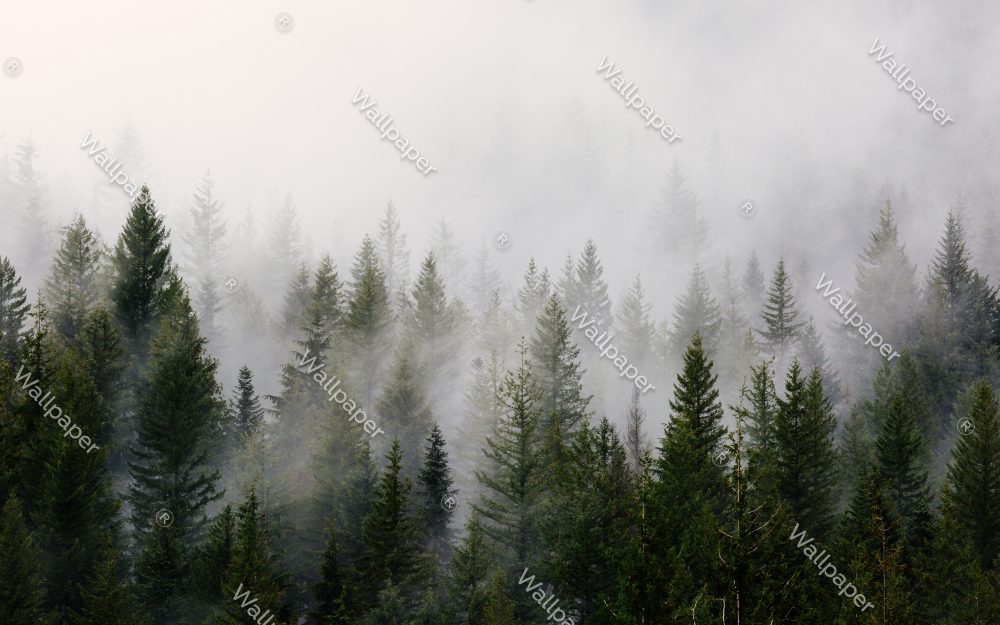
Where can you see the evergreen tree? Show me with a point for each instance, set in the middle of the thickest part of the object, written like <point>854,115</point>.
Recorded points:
<point>74,288</point>
<point>435,486</point>
<point>448,254</point>
<point>390,609</point>
<point>175,431</point>
<point>532,297</point>
<point>806,461</point>
<point>13,309</point>
<point>637,329</point>
<point>255,569</point>
<point>142,270</point>
<point>394,258</point>
<point>886,280</point>
<point>901,455</point>
<point>390,534</point>
<point>367,320</point>
<point>695,313</point>
<point>21,585</point>
<point>485,281</point>
<point>482,414</point>
<point>586,291</point>
<point>216,556</point>
<point>555,366</point>
<point>430,321</point>
<point>106,599</point>
<point>759,414</point>
<point>753,286</point>
<point>325,299</point>
<point>470,569</point>
<point>248,414</point>
<point>331,592</point>
<point>297,297</point>
<point>812,355</point>
<point>972,493</point>
<point>499,609</point>
<point>403,408</point>
<point>205,251</point>
<point>494,332</point>
<point>779,315</point>
<point>32,243</point>
<point>284,245</point>
<point>690,495</point>
<point>676,222</point>
<point>511,492</point>
<point>635,440</point>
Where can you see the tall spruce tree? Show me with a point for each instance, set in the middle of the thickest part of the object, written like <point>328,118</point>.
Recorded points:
<point>512,491</point>
<point>284,244</point>
<point>394,258</point>
<point>142,272</point>
<point>21,586</point>
<point>13,309</point>
<point>555,367</point>
<point>753,286</point>
<point>366,321</point>
<point>108,600</point>
<point>204,253</point>
<point>469,578</point>
<point>390,533</point>
<point>675,220</point>
<point>636,331</point>
<point>245,408</point>
<point>403,408</point>
<point>780,326</point>
<point>972,493</point>
<point>586,290</point>
<point>806,460</point>
<point>695,313</point>
<point>176,430</point>
<point>74,287</point>
<point>435,481</point>
<point>255,570</point>
<point>531,297</point>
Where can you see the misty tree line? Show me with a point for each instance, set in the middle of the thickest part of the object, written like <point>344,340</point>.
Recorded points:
<point>285,497</point>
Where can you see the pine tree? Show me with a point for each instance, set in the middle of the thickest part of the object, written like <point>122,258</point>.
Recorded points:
<point>297,297</point>
<point>176,427</point>
<point>403,408</point>
<point>470,569</point>
<point>902,456</point>
<point>531,297</point>
<point>555,366</point>
<point>512,490</point>
<point>759,414</point>
<point>390,534</point>
<point>394,258</point>
<point>753,286</point>
<point>204,254</point>
<point>13,309</point>
<point>972,493</point>
<point>586,291</point>
<point>448,254</point>
<point>494,332</point>
<point>690,495</point>
<point>676,223</point>
<point>431,322</point>
<point>216,556</point>
<point>887,285</point>
<point>485,281</point>
<point>482,414</point>
<point>806,461</point>
<point>78,509</point>
<point>324,309</point>
<point>248,414</point>
<point>499,609</point>
<point>21,585</point>
<point>695,313</point>
<point>779,315</point>
<point>812,355</point>
<point>636,328</point>
<point>366,321</point>
<point>435,484</point>
<point>33,243</point>
<point>255,569</point>
<point>331,593</point>
<point>106,599</point>
<point>142,270</point>
<point>284,244</point>
<point>635,440</point>
<point>390,609</point>
<point>74,287</point>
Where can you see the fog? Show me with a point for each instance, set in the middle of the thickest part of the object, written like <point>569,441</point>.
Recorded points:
<point>780,104</point>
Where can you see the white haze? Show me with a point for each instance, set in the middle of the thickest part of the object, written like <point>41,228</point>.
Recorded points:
<point>777,102</point>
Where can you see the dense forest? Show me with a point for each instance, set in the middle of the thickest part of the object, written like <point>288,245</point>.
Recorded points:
<point>438,450</point>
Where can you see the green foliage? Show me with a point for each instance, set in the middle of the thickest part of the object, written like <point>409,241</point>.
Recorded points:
<point>21,593</point>
<point>13,310</point>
